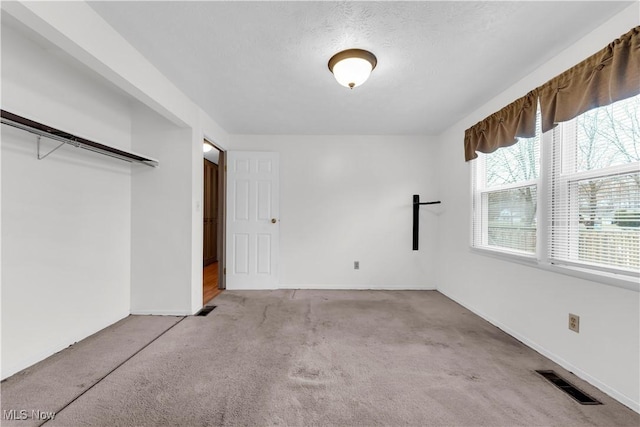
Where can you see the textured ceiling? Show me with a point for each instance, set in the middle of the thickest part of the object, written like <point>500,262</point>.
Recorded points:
<point>261,67</point>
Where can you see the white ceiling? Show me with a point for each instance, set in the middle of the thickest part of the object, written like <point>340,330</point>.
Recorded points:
<point>261,67</point>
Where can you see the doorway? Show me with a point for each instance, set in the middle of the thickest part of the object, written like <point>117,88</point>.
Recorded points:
<point>213,220</point>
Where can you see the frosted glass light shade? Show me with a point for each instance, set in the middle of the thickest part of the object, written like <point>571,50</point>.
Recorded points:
<point>206,147</point>
<point>352,72</point>
<point>352,67</point>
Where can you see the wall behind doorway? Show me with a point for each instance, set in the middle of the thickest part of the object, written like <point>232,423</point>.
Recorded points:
<point>210,213</point>
<point>346,198</point>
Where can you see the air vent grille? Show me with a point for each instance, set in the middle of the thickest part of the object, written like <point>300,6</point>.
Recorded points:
<point>573,391</point>
<point>206,310</point>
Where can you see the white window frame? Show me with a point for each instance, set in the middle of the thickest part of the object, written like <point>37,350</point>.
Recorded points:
<point>541,257</point>
<point>478,169</point>
<point>566,132</point>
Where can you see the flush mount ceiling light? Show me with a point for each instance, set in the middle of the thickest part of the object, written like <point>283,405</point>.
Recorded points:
<point>206,147</point>
<point>352,67</point>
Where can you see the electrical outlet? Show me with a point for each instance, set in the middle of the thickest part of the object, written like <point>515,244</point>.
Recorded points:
<point>574,323</point>
<point>356,265</point>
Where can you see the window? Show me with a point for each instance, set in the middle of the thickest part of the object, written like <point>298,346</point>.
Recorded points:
<point>506,198</point>
<point>585,174</point>
<point>594,220</point>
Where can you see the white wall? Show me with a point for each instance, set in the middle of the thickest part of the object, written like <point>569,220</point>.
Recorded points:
<point>349,198</point>
<point>527,302</point>
<point>161,233</point>
<point>65,219</point>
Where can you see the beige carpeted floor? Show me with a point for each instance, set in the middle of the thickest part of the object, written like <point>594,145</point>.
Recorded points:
<point>303,358</point>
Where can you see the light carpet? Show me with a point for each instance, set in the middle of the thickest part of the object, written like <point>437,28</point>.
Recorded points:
<point>300,358</point>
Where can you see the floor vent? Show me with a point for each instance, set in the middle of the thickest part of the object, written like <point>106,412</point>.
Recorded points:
<point>564,385</point>
<point>206,310</point>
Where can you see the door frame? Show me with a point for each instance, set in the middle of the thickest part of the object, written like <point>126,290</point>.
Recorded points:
<point>221,241</point>
<point>222,220</point>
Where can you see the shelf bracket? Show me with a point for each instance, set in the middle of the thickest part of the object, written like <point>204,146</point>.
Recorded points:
<point>416,217</point>
<point>38,144</point>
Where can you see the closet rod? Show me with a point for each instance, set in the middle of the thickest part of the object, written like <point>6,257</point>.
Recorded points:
<point>39,129</point>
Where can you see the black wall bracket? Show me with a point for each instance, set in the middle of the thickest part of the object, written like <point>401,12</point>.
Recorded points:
<point>416,218</point>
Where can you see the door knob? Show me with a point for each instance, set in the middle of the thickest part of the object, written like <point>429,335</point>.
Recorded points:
<point>273,220</point>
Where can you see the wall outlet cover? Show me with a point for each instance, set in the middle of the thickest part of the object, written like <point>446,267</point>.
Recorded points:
<point>574,322</point>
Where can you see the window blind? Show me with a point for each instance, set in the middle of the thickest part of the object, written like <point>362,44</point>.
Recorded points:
<point>594,194</point>
<point>505,197</point>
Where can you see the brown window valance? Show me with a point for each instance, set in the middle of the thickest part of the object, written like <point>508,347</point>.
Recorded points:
<point>612,74</point>
<point>502,128</point>
<point>608,76</point>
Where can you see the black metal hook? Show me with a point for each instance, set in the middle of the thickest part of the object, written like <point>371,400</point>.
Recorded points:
<point>416,217</point>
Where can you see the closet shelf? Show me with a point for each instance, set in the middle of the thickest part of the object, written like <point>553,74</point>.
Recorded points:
<point>45,131</point>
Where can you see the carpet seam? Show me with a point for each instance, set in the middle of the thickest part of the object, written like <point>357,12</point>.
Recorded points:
<point>113,370</point>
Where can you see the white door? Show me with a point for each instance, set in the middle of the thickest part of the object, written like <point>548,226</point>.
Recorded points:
<point>252,220</point>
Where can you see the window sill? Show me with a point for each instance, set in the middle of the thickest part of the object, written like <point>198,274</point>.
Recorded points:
<point>610,279</point>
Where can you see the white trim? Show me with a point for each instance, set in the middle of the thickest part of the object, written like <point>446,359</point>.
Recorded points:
<point>148,312</point>
<point>250,288</point>
<point>610,279</point>
<point>520,257</point>
<point>588,266</point>
<point>542,201</point>
<point>504,187</point>
<point>616,170</point>
<point>620,397</point>
<point>359,287</point>
<point>332,286</point>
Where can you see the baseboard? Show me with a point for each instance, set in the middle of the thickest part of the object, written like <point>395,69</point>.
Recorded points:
<point>620,397</point>
<point>358,287</point>
<point>161,313</point>
<point>335,287</point>
<point>250,288</point>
